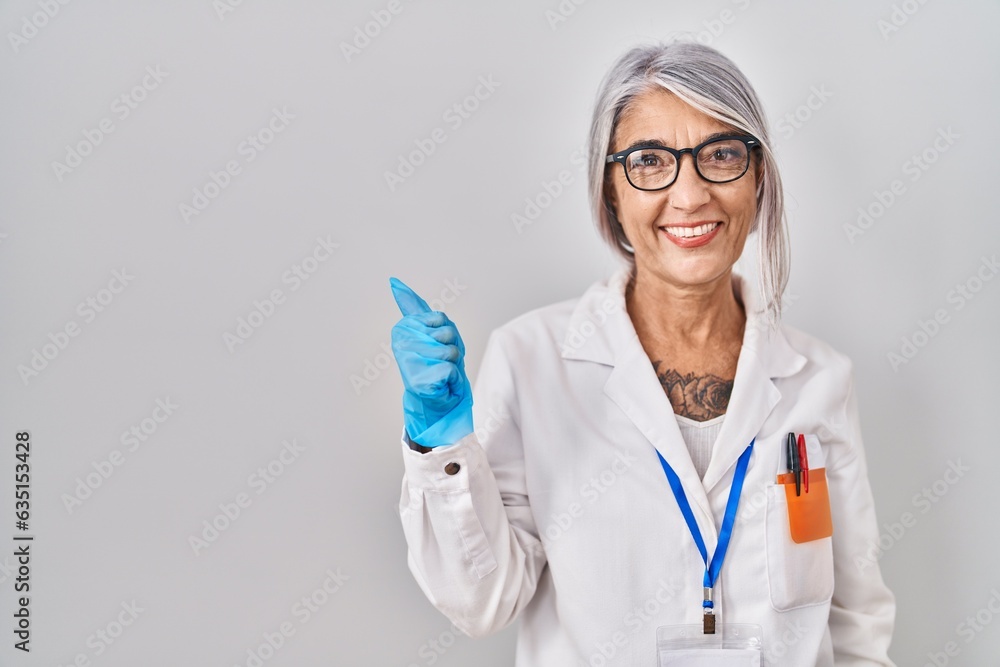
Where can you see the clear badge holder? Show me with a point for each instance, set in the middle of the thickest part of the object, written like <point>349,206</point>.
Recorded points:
<point>732,645</point>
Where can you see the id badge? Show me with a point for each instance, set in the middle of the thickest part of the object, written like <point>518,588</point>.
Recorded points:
<point>732,645</point>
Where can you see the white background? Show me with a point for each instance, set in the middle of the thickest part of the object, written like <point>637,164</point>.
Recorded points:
<point>333,508</point>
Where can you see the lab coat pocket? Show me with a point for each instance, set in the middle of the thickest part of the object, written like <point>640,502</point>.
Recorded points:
<point>798,574</point>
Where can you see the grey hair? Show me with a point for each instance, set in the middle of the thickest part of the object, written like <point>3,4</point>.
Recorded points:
<point>713,84</point>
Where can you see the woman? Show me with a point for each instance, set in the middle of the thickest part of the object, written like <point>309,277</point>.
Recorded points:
<point>615,430</point>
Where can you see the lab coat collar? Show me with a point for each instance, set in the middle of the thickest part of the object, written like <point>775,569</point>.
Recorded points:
<point>600,330</point>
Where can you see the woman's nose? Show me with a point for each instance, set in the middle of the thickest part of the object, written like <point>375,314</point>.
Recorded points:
<point>689,190</point>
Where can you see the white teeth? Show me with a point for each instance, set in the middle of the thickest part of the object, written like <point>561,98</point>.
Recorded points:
<point>686,232</point>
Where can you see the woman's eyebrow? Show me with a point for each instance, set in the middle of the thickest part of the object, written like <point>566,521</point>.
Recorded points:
<point>660,142</point>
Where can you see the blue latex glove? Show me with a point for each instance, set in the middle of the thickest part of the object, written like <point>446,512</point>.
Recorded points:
<point>437,396</point>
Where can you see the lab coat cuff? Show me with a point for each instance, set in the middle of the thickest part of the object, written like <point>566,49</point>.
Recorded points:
<point>445,468</point>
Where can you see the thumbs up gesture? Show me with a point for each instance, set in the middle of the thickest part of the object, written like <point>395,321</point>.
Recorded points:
<point>437,396</point>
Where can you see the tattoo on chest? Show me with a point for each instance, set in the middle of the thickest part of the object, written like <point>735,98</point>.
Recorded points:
<point>698,397</point>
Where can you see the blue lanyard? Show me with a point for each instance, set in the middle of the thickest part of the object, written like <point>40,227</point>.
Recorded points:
<point>711,569</point>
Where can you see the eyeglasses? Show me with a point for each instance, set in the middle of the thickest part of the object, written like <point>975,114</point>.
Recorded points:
<point>719,160</point>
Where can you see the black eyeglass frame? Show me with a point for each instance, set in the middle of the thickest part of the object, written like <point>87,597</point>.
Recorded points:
<point>748,140</point>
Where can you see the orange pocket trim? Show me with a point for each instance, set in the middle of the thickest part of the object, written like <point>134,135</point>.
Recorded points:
<point>809,513</point>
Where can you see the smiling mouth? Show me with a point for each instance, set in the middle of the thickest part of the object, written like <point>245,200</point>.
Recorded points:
<point>691,232</point>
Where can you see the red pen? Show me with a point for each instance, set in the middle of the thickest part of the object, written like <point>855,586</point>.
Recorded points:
<point>804,460</point>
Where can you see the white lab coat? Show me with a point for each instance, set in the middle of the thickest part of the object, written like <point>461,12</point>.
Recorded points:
<point>559,511</point>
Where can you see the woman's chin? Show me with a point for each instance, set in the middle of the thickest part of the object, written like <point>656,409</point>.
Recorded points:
<point>691,270</point>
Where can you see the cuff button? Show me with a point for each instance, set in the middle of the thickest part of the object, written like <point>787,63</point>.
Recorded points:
<point>452,468</point>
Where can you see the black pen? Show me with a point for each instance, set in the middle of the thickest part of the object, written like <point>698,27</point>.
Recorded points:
<point>794,465</point>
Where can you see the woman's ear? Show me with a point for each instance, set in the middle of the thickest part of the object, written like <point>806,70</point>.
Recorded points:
<point>610,196</point>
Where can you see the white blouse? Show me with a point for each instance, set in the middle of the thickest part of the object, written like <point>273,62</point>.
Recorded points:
<point>700,438</point>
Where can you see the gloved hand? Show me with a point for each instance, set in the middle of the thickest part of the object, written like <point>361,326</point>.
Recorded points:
<point>437,396</point>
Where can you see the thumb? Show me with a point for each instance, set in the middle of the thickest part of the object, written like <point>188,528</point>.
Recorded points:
<point>409,302</point>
